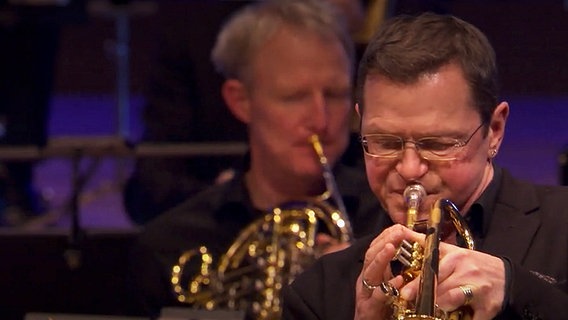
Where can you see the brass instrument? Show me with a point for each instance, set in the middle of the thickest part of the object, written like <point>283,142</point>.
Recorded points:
<point>265,256</point>
<point>423,261</point>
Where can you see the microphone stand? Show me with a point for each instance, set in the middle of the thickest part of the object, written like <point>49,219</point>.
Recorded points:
<point>74,253</point>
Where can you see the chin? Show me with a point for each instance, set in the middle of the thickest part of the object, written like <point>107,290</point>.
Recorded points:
<point>309,170</point>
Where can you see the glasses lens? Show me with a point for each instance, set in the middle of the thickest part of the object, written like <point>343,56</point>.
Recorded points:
<point>438,148</point>
<point>382,145</point>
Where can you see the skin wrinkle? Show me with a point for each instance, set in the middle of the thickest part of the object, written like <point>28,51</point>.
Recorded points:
<point>436,105</point>
<point>295,92</point>
<point>430,120</point>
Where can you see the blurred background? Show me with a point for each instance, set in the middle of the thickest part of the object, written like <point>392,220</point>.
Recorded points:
<point>89,94</point>
<point>103,62</point>
<point>108,51</point>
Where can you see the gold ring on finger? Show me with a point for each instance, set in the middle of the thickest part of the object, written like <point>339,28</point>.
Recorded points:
<point>468,293</point>
<point>369,286</point>
<point>388,289</point>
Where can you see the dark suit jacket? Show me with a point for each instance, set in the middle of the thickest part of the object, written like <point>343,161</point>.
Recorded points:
<point>529,227</point>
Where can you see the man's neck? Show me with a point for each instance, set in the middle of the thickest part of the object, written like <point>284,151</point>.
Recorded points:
<point>266,193</point>
<point>486,179</point>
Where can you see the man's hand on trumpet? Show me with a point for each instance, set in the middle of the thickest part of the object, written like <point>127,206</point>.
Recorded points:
<point>466,277</point>
<point>370,297</point>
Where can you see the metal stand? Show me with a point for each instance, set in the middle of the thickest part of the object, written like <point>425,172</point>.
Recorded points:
<point>122,12</point>
<point>122,51</point>
<point>78,149</point>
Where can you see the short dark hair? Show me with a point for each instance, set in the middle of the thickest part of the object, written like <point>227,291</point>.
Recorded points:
<point>406,47</point>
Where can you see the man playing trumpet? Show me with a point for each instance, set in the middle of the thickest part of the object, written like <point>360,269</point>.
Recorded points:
<point>430,116</point>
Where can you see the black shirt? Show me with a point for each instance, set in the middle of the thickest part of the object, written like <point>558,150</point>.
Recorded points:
<point>214,218</point>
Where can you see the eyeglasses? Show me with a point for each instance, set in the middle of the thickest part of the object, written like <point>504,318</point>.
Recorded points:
<point>429,148</point>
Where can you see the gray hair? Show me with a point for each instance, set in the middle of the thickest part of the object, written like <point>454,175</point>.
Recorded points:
<point>249,28</point>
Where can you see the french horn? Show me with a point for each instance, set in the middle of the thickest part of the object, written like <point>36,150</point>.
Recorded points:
<point>265,256</point>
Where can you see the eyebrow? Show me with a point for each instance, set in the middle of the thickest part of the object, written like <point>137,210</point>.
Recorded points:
<point>453,134</point>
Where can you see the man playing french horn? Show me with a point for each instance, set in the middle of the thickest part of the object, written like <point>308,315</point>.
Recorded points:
<point>288,66</point>
<point>431,126</point>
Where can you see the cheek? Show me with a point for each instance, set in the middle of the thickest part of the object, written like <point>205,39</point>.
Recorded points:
<point>338,119</point>
<point>272,123</point>
<point>268,115</point>
<point>376,175</point>
<point>461,180</point>
<point>381,182</point>
<point>339,123</point>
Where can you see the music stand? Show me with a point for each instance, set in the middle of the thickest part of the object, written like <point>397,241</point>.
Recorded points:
<point>179,313</point>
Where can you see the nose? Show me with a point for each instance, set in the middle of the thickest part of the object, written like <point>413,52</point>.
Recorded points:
<point>318,113</point>
<point>411,166</point>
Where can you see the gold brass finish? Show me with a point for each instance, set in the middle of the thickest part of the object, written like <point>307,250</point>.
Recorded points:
<point>423,261</point>
<point>265,256</point>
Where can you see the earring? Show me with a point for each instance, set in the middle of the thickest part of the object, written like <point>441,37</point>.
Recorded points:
<point>492,153</point>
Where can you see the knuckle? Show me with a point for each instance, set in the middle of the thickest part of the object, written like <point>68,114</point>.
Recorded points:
<point>369,256</point>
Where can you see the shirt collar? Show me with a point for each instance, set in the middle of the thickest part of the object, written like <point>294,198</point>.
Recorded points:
<point>237,194</point>
<point>480,214</point>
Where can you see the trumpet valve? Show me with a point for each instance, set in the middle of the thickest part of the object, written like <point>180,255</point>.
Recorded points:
<point>411,255</point>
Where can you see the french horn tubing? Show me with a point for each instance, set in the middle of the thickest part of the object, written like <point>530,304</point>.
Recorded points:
<point>265,256</point>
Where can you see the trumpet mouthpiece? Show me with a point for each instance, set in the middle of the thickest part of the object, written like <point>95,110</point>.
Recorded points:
<point>413,195</point>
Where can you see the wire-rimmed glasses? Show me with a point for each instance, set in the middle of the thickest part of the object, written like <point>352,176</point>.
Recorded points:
<point>430,148</point>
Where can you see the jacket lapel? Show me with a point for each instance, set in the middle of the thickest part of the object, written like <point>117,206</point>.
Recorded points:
<point>515,220</point>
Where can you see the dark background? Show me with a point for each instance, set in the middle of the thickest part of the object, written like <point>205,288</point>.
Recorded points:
<point>530,38</point>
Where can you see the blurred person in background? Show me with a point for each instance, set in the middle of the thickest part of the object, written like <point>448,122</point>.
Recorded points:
<point>184,105</point>
<point>288,67</point>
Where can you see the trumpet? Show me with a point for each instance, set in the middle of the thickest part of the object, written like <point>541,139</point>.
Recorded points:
<point>423,261</point>
<point>265,256</point>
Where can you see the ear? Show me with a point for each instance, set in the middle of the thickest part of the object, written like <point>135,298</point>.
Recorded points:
<point>236,97</point>
<point>497,127</point>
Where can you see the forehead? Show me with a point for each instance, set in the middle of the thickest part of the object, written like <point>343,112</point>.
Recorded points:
<point>292,53</point>
<point>434,100</point>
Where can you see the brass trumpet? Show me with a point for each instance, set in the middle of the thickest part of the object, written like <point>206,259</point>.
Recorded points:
<point>423,261</point>
<point>265,256</point>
